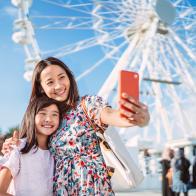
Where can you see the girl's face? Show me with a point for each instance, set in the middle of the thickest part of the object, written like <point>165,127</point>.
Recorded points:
<point>47,120</point>
<point>55,82</point>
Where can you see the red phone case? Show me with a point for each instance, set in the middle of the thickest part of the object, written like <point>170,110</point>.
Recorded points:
<point>129,83</point>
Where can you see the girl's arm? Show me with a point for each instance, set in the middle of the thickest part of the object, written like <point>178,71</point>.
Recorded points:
<point>138,115</point>
<point>5,179</point>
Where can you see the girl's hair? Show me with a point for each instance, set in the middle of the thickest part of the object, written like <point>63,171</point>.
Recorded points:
<point>28,128</point>
<point>37,90</point>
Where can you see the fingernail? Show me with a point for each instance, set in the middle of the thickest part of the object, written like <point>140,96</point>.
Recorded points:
<point>124,95</point>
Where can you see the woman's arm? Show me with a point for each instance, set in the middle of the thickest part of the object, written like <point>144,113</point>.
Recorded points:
<point>134,113</point>
<point>5,179</point>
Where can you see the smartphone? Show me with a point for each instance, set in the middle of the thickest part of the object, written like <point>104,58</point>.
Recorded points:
<point>129,83</point>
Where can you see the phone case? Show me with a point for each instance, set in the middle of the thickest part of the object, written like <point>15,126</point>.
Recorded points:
<point>129,83</point>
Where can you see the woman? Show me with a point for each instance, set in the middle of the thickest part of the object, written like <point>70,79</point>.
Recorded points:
<point>80,167</point>
<point>167,156</point>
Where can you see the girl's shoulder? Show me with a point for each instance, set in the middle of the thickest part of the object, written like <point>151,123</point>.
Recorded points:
<point>22,143</point>
<point>13,161</point>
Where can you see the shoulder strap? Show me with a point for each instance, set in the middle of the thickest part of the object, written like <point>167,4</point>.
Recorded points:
<point>87,117</point>
<point>100,136</point>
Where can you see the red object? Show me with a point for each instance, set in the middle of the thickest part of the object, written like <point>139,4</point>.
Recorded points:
<point>129,83</point>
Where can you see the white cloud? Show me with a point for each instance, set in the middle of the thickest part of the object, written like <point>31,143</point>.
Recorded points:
<point>10,11</point>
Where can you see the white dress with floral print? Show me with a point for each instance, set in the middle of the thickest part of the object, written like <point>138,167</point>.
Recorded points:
<point>80,168</point>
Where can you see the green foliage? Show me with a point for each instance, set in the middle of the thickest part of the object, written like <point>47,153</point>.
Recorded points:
<point>1,140</point>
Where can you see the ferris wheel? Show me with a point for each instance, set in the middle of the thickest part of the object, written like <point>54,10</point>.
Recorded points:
<point>155,38</point>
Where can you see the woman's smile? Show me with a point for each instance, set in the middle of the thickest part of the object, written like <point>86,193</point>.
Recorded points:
<point>55,82</point>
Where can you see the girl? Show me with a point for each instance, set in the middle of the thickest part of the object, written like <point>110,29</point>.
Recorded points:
<point>80,168</point>
<point>32,167</point>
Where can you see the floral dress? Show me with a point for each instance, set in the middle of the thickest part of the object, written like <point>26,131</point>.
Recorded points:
<point>80,167</point>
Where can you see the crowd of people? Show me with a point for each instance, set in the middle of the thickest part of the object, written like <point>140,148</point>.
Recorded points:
<point>178,173</point>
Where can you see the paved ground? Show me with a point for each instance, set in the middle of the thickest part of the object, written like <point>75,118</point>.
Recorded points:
<point>151,193</point>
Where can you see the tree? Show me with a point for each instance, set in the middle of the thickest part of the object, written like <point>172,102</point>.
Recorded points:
<point>10,132</point>
<point>2,139</point>
<point>1,131</point>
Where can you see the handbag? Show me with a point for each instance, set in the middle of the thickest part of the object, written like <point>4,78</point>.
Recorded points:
<point>124,172</point>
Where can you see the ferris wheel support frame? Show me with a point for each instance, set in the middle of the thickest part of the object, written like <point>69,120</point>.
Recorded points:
<point>111,80</point>
<point>158,106</point>
<point>177,105</point>
<point>181,65</point>
<point>24,34</point>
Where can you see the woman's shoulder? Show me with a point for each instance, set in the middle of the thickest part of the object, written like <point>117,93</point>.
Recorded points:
<point>93,100</point>
<point>91,97</point>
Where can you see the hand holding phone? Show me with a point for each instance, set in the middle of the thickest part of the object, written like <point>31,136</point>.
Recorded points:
<point>129,84</point>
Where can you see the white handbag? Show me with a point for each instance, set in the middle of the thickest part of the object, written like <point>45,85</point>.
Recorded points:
<point>126,173</point>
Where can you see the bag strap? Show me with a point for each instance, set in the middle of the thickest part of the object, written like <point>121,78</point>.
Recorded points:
<point>87,117</point>
<point>101,138</point>
<point>100,131</point>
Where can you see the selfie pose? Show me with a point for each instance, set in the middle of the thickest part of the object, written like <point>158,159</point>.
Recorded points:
<point>79,165</point>
<point>31,168</point>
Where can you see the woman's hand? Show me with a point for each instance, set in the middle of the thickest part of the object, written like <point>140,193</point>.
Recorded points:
<point>10,142</point>
<point>134,112</point>
<point>131,113</point>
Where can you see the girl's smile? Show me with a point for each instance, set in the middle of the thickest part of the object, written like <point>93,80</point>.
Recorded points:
<point>47,120</point>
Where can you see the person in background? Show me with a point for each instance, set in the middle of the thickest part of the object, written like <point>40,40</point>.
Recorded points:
<point>31,168</point>
<point>181,176</point>
<point>167,156</point>
<point>193,170</point>
<point>80,168</point>
<point>2,139</point>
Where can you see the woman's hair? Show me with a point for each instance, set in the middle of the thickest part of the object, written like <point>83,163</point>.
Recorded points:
<point>37,90</point>
<point>28,128</point>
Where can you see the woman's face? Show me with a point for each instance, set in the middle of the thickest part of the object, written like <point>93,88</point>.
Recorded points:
<point>55,82</point>
<point>47,120</point>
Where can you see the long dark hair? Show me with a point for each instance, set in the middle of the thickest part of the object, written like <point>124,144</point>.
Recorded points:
<point>37,90</point>
<point>28,129</point>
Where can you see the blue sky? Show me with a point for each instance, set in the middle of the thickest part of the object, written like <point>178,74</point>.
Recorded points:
<point>14,89</point>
